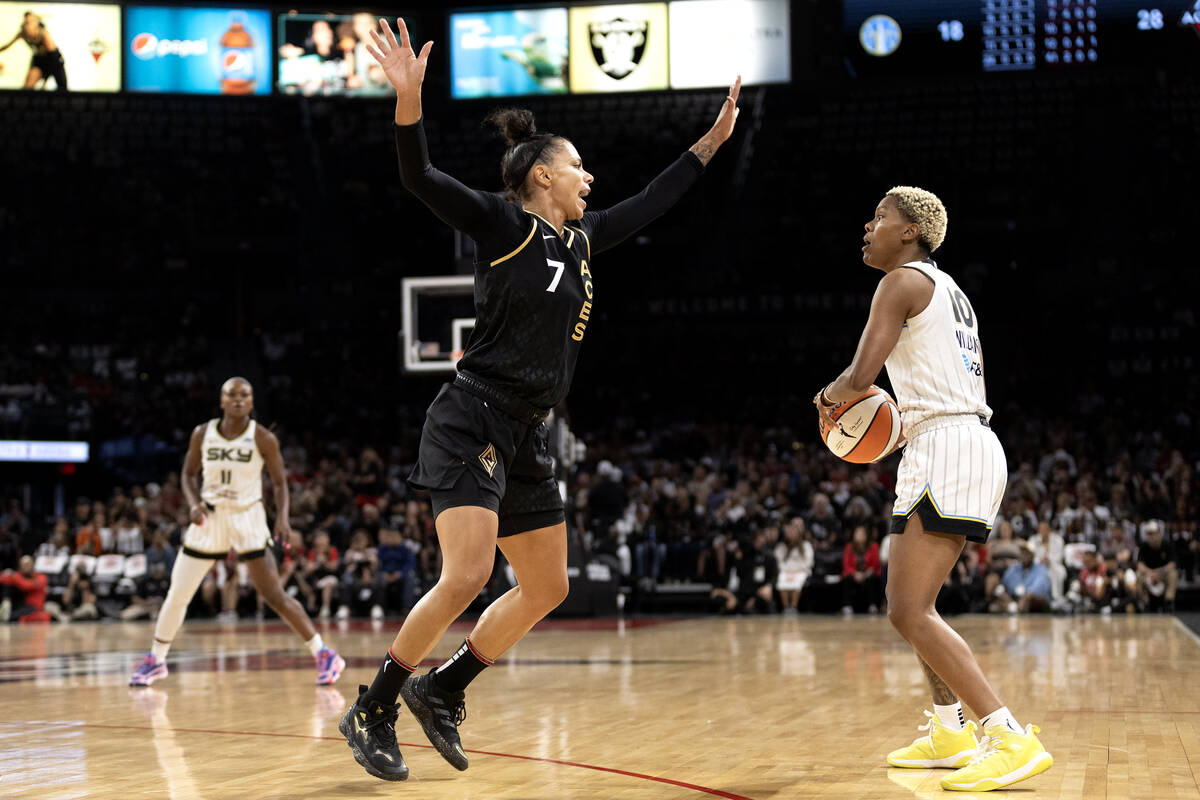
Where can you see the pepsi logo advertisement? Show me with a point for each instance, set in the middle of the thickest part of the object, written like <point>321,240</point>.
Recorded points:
<point>198,50</point>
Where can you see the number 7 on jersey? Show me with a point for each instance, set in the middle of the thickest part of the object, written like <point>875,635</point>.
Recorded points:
<point>557,266</point>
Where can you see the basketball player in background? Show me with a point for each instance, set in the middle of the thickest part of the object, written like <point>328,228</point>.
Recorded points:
<point>222,484</point>
<point>949,486</point>
<point>484,452</point>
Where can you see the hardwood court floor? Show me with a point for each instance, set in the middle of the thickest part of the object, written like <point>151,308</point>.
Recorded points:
<point>756,708</point>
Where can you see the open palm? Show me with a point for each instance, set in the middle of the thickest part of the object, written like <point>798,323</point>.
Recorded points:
<point>405,69</point>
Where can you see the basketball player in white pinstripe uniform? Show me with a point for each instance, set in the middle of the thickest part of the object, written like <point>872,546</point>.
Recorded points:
<point>222,483</point>
<point>949,487</point>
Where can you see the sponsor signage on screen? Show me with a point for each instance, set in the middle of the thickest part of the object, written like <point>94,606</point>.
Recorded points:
<point>197,50</point>
<point>496,53</point>
<point>619,48</point>
<point>79,43</point>
<point>326,53</point>
<point>53,452</point>
<point>713,41</point>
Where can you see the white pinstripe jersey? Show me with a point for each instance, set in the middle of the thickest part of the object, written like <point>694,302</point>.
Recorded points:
<point>231,469</point>
<point>936,367</point>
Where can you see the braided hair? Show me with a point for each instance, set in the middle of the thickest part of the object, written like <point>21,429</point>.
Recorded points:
<point>527,147</point>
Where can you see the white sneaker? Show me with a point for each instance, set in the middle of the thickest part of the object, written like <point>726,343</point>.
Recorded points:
<point>343,612</point>
<point>5,610</point>
<point>376,611</point>
<point>227,616</point>
<point>323,613</point>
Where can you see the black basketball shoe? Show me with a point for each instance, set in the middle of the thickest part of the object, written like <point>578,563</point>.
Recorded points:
<point>370,731</point>
<point>440,713</point>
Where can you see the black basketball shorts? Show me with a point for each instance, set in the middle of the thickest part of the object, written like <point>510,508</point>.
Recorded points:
<point>474,454</point>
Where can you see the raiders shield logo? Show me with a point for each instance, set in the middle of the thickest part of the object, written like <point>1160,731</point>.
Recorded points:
<point>488,459</point>
<point>618,45</point>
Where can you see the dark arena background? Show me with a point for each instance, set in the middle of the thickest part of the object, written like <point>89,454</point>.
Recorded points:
<point>164,227</point>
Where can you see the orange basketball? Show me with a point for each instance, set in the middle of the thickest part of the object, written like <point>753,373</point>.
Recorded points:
<point>865,429</point>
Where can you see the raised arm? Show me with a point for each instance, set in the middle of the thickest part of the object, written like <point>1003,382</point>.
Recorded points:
<point>11,42</point>
<point>473,212</point>
<point>612,226</point>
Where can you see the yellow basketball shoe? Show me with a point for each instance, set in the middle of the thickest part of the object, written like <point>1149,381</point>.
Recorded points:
<point>1004,758</point>
<point>941,747</point>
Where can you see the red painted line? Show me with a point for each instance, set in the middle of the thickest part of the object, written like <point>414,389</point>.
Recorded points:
<point>613,770</point>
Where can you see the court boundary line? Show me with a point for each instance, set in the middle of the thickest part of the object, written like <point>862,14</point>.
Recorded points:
<point>555,761</point>
<point>1195,637</point>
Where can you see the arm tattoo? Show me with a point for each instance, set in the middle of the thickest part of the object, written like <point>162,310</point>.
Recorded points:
<point>942,695</point>
<point>703,150</point>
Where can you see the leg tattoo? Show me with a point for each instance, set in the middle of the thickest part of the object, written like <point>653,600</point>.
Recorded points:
<point>942,694</point>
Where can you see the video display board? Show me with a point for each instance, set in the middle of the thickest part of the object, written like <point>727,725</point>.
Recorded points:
<point>198,50</point>
<point>497,53</point>
<point>714,41</point>
<point>619,48</point>
<point>326,53</point>
<point>75,41</point>
<point>890,37</point>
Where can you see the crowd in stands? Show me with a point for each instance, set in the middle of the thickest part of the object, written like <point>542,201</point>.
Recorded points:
<point>759,520</point>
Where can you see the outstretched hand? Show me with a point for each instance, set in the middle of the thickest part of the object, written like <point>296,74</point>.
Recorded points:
<point>404,68</point>
<point>722,129</point>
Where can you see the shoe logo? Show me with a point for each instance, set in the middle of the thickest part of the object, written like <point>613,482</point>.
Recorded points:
<point>458,747</point>
<point>379,752</point>
<point>488,459</point>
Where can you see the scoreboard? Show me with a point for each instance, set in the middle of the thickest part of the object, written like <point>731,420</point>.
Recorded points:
<point>889,37</point>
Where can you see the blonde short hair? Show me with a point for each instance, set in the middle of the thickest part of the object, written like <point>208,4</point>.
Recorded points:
<point>925,209</point>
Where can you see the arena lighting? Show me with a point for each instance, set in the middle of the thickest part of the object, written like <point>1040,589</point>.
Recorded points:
<point>52,452</point>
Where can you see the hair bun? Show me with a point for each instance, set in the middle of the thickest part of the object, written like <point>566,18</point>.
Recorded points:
<point>516,125</point>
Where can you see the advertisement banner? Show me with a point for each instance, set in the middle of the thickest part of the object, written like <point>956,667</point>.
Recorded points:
<point>619,48</point>
<point>326,53</point>
<point>495,53</point>
<point>713,41</point>
<point>197,50</point>
<point>64,46</point>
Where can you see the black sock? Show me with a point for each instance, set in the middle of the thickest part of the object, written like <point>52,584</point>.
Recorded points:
<point>391,676</point>
<point>461,669</point>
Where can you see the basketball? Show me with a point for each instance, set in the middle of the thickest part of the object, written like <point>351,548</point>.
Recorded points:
<point>867,428</point>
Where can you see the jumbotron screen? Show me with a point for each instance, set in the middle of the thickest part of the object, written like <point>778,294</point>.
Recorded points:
<point>325,53</point>
<point>890,37</point>
<point>87,46</point>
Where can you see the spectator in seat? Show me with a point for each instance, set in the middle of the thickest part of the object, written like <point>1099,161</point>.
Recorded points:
<point>396,580</point>
<point>57,543</point>
<point>861,573</point>
<point>1094,585</point>
<point>795,558</point>
<point>751,586</point>
<point>1048,551</point>
<point>1026,585</point>
<point>321,571</point>
<point>1158,576</point>
<point>359,566</point>
<point>30,607</point>
<point>150,592</point>
<point>79,600</point>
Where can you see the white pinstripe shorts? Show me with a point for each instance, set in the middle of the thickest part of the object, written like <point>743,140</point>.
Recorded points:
<point>243,529</point>
<point>953,475</point>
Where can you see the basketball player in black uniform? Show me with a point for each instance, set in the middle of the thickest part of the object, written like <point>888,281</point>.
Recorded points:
<point>484,452</point>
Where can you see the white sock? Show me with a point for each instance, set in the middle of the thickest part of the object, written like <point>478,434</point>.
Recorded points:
<point>314,644</point>
<point>1001,716</point>
<point>951,716</point>
<point>160,650</point>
